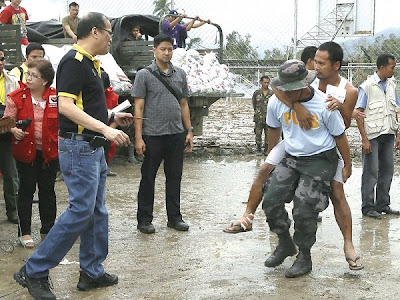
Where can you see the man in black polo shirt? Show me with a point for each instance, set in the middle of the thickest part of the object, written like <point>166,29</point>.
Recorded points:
<point>160,135</point>
<point>83,130</point>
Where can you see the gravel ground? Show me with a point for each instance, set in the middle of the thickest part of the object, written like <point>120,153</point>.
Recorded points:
<point>228,129</point>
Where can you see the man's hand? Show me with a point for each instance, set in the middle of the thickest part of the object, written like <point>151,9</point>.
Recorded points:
<point>333,103</point>
<point>358,115</point>
<point>123,119</point>
<point>117,136</point>
<point>140,146</point>
<point>188,142</point>
<point>366,146</point>
<point>303,115</point>
<point>18,133</point>
<point>346,172</point>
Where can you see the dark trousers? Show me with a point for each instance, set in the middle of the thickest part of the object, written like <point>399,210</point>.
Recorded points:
<point>167,148</point>
<point>44,176</point>
<point>10,177</point>
<point>378,167</point>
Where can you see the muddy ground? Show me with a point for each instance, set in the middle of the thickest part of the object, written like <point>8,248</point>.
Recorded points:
<point>206,263</point>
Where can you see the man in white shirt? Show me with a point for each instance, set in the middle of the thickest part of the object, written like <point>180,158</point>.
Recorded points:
<point>309,165</point>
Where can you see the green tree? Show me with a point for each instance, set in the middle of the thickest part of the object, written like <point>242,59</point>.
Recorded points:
<point>161,7</point>
<point>238,47</point>
<point>274,54</point>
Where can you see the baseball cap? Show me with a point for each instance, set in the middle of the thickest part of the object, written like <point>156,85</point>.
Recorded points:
<point>293,75</point>
<point>173,12</point>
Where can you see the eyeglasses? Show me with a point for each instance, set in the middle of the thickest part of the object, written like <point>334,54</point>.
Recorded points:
<point>33,75</point>
<point>108,31</point>
<point>2,58</point>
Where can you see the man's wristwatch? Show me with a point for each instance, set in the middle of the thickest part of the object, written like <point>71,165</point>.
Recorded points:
<point>112,117</point>
<point>190,129</point>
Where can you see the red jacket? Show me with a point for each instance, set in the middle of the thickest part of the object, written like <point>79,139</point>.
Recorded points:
<point>25,150</point>
<point>111,101</point>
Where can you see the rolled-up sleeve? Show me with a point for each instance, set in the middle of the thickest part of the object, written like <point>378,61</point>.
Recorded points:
<point>11,109</point>
<point>362,99</point>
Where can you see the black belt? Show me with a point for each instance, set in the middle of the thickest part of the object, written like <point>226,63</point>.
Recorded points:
<point>76,136</point>
<point>94,140</point>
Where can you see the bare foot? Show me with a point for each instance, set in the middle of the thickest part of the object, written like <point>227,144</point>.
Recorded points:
<point>354,260</point>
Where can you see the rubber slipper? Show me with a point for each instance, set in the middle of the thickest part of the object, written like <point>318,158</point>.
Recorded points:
<point>354,267</point>
<point>235,228</point>
<point>26,243</point>
<point>245,223</point>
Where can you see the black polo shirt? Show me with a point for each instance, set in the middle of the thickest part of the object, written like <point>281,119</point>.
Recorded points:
<point>78,78</point>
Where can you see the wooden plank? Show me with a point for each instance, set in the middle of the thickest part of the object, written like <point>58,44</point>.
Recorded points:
<point>10,41</point>
<point>59,42</point>
<point>143,47</point>
<point>133,54</point>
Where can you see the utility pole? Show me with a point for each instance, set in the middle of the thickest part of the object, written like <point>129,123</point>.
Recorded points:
<point>295,30</point>
<point>172,4</point>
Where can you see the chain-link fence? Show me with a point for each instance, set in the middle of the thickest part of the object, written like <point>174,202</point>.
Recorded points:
<point>259,35</point>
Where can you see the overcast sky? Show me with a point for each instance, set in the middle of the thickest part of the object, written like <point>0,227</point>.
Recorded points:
<point>270,22</point>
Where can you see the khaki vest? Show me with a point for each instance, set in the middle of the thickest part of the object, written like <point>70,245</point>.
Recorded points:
<point>381,108</point>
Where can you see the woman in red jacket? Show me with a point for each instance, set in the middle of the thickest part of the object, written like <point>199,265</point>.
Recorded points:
<point>35,148</point>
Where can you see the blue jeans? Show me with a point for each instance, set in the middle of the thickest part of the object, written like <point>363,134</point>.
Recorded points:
<point>377,171</point>
<point>84,171</point>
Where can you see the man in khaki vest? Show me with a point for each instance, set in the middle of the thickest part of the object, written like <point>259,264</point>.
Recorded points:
<point>378,99</point>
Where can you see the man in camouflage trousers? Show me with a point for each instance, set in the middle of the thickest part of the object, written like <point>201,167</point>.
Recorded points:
<point>260,102</point>
<point>305,173</point>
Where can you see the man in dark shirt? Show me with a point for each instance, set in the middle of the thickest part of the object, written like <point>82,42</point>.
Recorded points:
<point>160,135</point>
<point>83,128</point>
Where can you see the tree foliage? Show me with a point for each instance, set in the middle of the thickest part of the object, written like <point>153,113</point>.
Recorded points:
<point>238,47</point>
<point>161,7</point>
<point>274,54</point>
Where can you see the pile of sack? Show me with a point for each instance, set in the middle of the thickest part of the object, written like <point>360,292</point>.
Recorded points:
<point>119,81</point>
<point>204,73</point>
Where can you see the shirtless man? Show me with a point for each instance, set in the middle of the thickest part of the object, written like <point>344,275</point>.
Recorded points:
<point>327,63</point>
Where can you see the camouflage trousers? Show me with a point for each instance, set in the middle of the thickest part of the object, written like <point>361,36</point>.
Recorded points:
<point>258,130</point>
<point>306,181</point>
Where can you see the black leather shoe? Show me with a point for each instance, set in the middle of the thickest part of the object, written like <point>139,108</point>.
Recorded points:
<point>302,265</point>
<point>87,283</point>
<point>146,228</point>
<point>284,249</point>
<point>390,211</point>
<point>372,214</point>
<point>178,225</point>
<point>39,288</point>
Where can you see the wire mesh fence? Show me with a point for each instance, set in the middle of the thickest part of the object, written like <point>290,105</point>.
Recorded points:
<point>259,35</point>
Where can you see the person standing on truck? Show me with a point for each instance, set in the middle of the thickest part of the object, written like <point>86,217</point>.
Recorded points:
<point>177,31</point>
<point>162,129</point>
<point>70,22</point>
<point>33,51</point>
<point>16,15</point>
